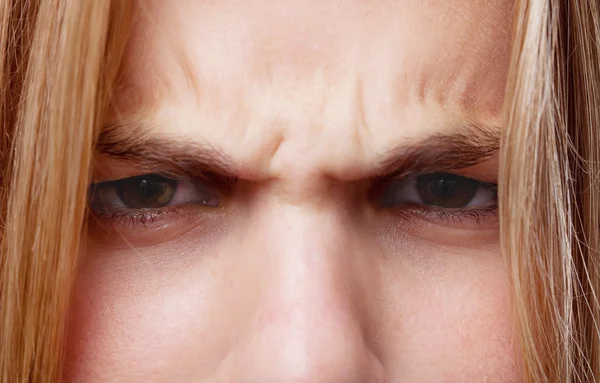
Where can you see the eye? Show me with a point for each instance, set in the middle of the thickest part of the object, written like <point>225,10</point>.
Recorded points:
<point>442,190</point>
<point>149,192</point>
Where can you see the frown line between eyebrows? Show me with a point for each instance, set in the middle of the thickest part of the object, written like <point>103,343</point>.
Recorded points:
<point>136,145</point>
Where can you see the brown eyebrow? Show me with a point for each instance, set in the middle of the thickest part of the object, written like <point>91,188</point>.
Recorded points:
<point>454,151</point>
<point>441,152</point>
<point>154,153</point>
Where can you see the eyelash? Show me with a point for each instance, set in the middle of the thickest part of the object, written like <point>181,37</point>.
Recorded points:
<point>449,216</point>
<point>131,218</point>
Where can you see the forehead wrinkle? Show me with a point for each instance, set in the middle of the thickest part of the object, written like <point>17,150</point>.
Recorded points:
<point>474,91</point>
<point>470,77</point>
<point>471,72</point>
<point>265,137</point>
<point>272,67</point>
<point>286,101</point>
<point>190,75</point>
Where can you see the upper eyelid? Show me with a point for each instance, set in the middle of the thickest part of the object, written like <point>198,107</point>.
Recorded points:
<point>411,177</point>
<point>114,181</point>
<point>205,179</point>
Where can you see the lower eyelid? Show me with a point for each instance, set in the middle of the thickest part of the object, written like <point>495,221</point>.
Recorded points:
<point>130,219</point>
<point>124,230</point>
<point>476,218</point>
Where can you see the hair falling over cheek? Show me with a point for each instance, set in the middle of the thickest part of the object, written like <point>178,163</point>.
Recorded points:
<point>53,90</point>
<point>549,205</point>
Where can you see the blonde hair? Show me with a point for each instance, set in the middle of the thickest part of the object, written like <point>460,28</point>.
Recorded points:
<point>59,60</point>
<point>549,194</point>
<point>55,74</point>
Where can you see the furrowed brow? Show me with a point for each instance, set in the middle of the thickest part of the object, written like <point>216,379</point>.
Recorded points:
<point>156,153</point>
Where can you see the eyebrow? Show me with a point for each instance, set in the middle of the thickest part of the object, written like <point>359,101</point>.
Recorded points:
<point>465,148</point>
<point>459,150</point>
<point>154,153</point>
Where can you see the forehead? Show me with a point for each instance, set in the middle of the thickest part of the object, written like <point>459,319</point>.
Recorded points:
<point>417,43</point>
<point>271,68</point>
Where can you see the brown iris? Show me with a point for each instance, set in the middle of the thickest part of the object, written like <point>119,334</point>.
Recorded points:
<point>446,190</point>
<point>146,192</point>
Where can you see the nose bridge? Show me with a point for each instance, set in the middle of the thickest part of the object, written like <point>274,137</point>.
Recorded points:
<point>312,279</point>
<point>307,239</point>
<point>307,328</point>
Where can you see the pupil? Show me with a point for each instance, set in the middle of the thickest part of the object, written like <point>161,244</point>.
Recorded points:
<point>148,188</point>
<point>442,187</point>
<point>446,190</point>
<point>146,192</point>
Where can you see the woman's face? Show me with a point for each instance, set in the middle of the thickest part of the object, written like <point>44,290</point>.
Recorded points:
<point>300,191</point>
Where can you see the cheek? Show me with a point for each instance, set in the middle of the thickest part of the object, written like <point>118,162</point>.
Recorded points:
<point>176,311</point>
<point>141,318</point>
<point>450,314</point>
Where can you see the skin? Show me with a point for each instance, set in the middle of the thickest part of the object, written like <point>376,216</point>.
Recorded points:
<point>298,275</point>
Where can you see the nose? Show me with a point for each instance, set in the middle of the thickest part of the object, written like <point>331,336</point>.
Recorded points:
<point>308,325</point>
